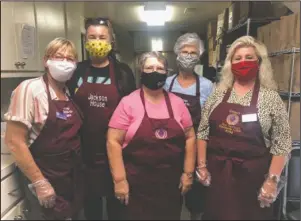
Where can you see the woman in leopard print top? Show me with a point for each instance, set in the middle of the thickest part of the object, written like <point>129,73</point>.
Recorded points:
<point>243,137</point>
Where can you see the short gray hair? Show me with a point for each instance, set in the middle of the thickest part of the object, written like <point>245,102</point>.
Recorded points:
<point>152,54</point>
<point>189,39</point>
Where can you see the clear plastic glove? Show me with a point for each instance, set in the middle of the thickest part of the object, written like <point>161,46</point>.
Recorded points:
<point>270,190</point>
<point>121,189</point>
<point>203,175</point>
<point>186,182</point>
<point>45,193</point>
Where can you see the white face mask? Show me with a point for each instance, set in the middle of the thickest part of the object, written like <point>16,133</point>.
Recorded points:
<point>61,71</point>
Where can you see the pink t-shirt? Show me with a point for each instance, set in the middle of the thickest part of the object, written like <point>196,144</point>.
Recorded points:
<point>130,112</point>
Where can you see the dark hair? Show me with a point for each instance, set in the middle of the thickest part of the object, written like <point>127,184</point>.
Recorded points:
<point>97,21</point>
<point>104,22</point>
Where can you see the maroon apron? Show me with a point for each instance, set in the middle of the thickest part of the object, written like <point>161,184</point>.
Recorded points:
<point>98,102</point>
<point>192,102</point>
<point>238,160</point>
<point>154,164</point>
<point>194,198</point>
<point>56,152</point>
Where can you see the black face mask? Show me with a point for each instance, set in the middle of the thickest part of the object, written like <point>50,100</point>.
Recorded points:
<point>153,80</point>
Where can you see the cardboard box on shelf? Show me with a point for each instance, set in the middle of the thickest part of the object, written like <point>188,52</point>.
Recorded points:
<point>290,31</point>
<point>274,41</point>
<point>260,36</point>
<point>296,79</point>
<point>266,36</point>
<point>297,30</point>
<point>282,72</point>
<point>294,119</point>
<point>256,9</point>
<point>211,58</point>
<point>233,17</point>
<point>218,52</point>
<point>211,29</point>
<point>211,44</point>
<point>222,22</point>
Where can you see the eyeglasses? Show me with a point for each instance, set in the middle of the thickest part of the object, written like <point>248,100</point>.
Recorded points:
<point>61,58</point>
<point>157,69</point>
<point>97,21</point>
<point>186,53</point>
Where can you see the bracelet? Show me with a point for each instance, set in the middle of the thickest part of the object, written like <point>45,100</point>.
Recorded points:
<point>273,177</point>
<point>189,174</point>
<point>201,165</point>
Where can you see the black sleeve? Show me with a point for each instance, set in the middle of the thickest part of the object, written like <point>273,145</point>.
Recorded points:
<point>125,77</point>
<point>79,71</point>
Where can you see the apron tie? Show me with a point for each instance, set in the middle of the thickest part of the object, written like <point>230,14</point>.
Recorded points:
<point>231,165</point>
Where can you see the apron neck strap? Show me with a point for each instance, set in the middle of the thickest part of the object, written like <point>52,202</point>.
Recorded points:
<point>167,101</point>
<point>47,87</point>
<point>197,88</point>
<point>111,71</point>
<point>254,94</point>
<point>197,92</point>
<point>227,95</point>
<point>172,82</point>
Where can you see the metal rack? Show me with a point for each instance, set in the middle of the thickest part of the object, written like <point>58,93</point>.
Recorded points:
<point>250,21</point>
<point>289,95</point>
<point>247,22</point>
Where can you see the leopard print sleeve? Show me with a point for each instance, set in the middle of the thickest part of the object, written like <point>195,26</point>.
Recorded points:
<point>281,141</point>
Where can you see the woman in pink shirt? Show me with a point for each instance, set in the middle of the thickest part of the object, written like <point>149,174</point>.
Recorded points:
<point>151,147</point>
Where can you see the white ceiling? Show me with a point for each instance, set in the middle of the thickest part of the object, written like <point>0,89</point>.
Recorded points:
<point>125,14</point>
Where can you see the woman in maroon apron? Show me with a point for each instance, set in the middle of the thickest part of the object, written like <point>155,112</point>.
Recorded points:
<point>188,52</point>
<point>155,159</point>
<point>98,100</point>
<point>194,198</point>
<point>56,150</point>
<point>245,175</point>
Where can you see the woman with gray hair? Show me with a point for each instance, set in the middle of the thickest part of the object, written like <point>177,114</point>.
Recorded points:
<point>244,137</point>
<point>151,147</point>
<point>194,90</point>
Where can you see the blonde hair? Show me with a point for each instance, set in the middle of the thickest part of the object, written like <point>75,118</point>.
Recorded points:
<point>266,77</point>
<point>60,44</point>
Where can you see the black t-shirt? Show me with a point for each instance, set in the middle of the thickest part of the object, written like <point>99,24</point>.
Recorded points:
<point>95,75</point>
<point>125,81</point>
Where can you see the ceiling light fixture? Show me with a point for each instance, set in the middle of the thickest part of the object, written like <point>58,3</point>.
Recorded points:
<point>155,13</point>
<point>157,44</point>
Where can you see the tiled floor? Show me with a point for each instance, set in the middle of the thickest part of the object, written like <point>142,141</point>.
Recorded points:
<point>185,214</point>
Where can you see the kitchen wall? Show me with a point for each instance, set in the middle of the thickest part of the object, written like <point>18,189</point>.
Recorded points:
<point>142,40</point>
<point>125,44</point>
<point>58,19</point>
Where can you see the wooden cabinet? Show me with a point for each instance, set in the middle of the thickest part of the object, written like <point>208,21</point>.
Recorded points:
<point>13,17</point>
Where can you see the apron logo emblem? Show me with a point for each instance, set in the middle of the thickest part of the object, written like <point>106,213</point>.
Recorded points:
<point>161,133</point>
<point>232,119</point>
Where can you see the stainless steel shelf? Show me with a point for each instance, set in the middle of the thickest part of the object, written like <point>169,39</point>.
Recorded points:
<point>296,143</point>
<point>252,21</point>
<point>21,74</point>
<point>287,94</point>
<point>286,51</point>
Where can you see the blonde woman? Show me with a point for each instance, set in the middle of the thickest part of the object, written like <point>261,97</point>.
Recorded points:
<point>244,137</point>
<point>43,135</point>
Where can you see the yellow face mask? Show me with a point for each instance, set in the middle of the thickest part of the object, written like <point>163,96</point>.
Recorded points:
<point>98,48</point>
